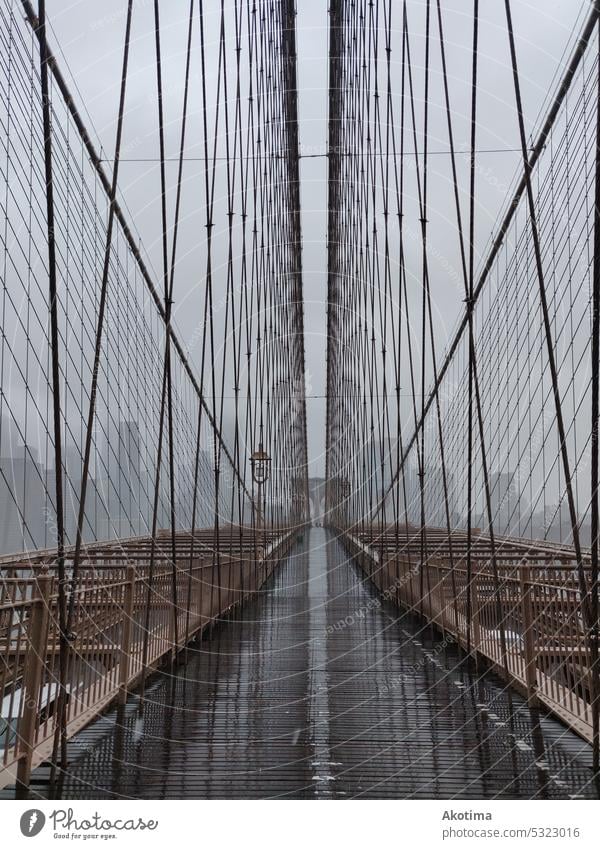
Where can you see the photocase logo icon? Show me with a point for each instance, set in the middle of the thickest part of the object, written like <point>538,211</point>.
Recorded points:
<point>32,822</point>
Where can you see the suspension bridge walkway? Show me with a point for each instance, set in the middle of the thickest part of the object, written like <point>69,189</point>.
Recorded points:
<point>175,620</point>
<point>317,688</point>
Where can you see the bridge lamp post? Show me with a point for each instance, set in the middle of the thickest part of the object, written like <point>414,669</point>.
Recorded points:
<point>260,462</point>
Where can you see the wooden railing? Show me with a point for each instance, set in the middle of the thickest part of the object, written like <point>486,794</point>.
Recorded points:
<point>536,601</point>
<point>108,628</point>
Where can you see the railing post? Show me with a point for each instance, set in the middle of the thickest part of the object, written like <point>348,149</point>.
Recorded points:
<point>197,591</point>
<point>37,633</point>
<point>528,641</point>
<point>173,651</point>
<point>442,600</point>
<point>475,612</point>
<point>126,640</point>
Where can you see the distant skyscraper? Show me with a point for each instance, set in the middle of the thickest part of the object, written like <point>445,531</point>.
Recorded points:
<point>503,499</point>
<point>8,437</point>
<point>22,495</point>
<point>205,509</point>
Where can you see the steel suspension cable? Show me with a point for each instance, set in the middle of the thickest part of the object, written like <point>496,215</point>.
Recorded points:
<point>55,355</point>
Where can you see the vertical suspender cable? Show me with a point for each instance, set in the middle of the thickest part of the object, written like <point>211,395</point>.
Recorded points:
<point>168,297</point>
<point>424,285</point>
<point>55,366</point>
<point>100,320</point>
<point>595,352</point>
<point>470,307</point>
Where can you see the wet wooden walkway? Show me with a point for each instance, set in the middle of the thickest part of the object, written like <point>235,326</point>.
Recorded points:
<point>316,689</point>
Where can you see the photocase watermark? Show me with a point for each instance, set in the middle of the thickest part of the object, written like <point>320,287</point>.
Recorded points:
<point>407,675</point>
<point>374,603</point>
<point>485,172</point>
<point>32,822</point>
<point>66,826</point>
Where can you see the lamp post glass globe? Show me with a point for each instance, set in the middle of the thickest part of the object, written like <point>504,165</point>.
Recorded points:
<point>261,465</point>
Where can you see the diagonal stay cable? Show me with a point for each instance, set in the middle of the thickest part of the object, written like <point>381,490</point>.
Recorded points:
<point>96,161</point>
<point>535,152</point>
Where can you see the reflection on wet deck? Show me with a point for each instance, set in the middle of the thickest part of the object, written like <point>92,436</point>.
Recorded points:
<point>318,690</point>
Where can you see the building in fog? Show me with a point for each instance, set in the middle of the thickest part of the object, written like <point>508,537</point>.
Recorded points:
<point>504,498</point>
<point>22,504</point>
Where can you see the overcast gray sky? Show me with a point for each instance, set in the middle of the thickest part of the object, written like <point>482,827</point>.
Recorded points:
<point>91,44</point>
